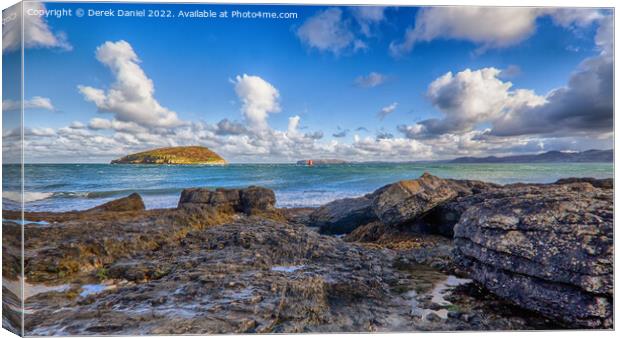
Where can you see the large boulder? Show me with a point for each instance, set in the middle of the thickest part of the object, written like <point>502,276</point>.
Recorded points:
<point>405,201</point>
<point>546,248</point>
<point>414,204</point>
<point>343,216</point>
<point>132,202</point>
<point>249,200</point>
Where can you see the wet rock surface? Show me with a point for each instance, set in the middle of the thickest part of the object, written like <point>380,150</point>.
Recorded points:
<point>259,275</point>
<point>228,261</point>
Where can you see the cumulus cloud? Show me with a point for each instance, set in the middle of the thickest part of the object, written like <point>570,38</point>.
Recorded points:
<point>373,79</point>
<point>585,104</point>
<point>469,98</point>
<point>481,114</point>
<point>131,97</point>
<point>387,110</point>
<point>37,32</point>
<point>474,99</point>
<point>36,102</point>
<point>489,27</point>
<point>259,97</point>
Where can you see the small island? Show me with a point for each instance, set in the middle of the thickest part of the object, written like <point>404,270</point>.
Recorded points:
<point>174,155</point>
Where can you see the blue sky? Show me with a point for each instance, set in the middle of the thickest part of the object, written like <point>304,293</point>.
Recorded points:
<point>324,85</point>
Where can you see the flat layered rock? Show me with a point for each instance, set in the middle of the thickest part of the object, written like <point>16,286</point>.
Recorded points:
<point>547,248</point>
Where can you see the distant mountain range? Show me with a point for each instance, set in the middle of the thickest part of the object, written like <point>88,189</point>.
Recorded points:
<point>548,157</point>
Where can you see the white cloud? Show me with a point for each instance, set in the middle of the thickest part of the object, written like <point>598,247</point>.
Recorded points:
<point>293,124</point>
<point>387,110</point>
<point>123,126</point>
<point>470,98</point>
<point>326,32</point>
<point>373,79</point>
<point>575,17</point>
<point>584,105</point>
<point>489,27</point>
<point>131,96</point>
<point>510,72</point>
<point>37,33</point>
<point>367,16</point>
<point>341,32</point>
<point>476,108</point>
<point>259,98</point>
<point>36,102</point>
<point>77,125</point>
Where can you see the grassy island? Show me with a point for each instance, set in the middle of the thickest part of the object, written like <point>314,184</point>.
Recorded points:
<point>173,155</point>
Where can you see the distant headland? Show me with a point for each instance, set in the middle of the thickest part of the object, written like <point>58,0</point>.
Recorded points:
<point>173,155</point>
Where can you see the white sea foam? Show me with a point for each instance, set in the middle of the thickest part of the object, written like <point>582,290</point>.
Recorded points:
<point>29,196</point>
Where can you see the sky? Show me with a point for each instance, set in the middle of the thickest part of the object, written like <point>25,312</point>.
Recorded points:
<point>354,83</point>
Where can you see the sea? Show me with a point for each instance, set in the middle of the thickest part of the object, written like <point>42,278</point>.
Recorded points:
<point>65,187</point>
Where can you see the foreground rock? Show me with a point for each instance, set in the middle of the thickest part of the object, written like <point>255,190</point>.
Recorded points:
<point>226,262</point>
<point>547,248</point>
<point>132,202</point>
<point>344,215</point>
<point>256,275</point>
<point>249,200</point>
<point>405,201</point>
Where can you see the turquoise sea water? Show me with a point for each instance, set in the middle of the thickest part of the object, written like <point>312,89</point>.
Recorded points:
<point>61,187</point>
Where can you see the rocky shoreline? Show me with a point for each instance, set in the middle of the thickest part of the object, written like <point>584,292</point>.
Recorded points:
<point>423,254</point>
